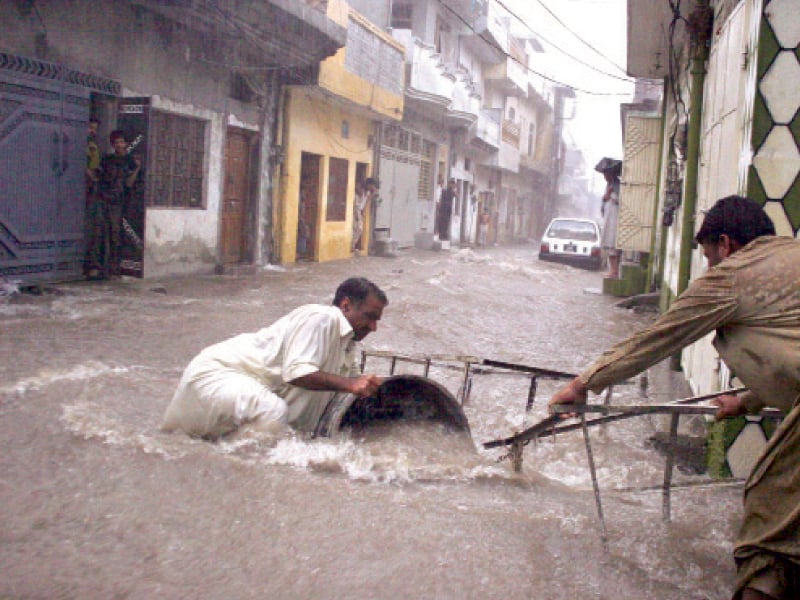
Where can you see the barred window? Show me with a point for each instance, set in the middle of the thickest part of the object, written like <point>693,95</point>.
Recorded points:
<point>402,12</point>
<point>425,186</point>
<point>337,190</point>
<point>531,138</point>
<point>177,155</point>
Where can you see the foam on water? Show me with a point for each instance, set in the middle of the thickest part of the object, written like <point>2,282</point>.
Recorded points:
<point>397,453</point>
<point>86,422</point>
<point>47,377</point>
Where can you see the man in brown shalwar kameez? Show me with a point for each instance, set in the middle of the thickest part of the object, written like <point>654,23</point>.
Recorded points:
<point>751,297</point>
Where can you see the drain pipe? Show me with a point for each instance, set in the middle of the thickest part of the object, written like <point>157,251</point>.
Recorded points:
<point>651,283</point>
<point>700,24</point>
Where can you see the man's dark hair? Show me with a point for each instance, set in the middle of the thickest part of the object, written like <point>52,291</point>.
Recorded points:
<point>115,135</point>
<point>357,289</point>
<point>372,181</point>
<point>740,218</point>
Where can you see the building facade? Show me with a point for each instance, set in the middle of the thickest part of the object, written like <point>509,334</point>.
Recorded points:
<point>330,131</point>
<point>195,93</point>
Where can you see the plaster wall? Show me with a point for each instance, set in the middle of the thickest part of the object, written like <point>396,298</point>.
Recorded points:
<point>337,79</point>
<point>722,142</point>
<point>149,58</point>
<point>117,40</point>
<point>185,240</point>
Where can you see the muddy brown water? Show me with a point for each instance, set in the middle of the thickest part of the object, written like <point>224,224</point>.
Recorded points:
<point>96,502</point>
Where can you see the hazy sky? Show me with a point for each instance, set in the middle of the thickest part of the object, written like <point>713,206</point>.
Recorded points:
<point>597,73</point>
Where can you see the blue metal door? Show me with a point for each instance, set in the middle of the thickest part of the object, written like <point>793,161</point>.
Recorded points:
<point>44,111</point>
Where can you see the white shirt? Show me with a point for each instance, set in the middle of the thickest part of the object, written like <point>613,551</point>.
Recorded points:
<point>311,338</point>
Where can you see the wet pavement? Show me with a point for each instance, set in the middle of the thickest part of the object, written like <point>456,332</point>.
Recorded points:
<point>96,502</point>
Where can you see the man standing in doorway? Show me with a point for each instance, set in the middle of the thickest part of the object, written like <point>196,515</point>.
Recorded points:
<point>445,211</point>
<point>364,193</point>
<point>118,173</point>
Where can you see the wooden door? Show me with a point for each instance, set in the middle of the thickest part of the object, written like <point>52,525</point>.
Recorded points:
<point>308,206</point>
<point>235,202</point>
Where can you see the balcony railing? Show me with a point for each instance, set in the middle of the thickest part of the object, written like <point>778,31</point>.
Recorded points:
<point>510,76</point>
<point>428,79</point>
<point>485,133</point>
<point>465,107</point>
<point>511,133</point>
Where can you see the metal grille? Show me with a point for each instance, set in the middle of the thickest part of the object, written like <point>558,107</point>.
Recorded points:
<point>177,149</point>
<point>639,178</point>
<point>425,187</point>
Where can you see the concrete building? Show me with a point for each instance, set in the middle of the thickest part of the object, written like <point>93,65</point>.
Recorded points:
<point>329,129</point>
<point>474,113</point>
<point>196,92</point>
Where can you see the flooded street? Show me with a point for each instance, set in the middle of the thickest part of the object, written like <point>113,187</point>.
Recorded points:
<point>96,502</point>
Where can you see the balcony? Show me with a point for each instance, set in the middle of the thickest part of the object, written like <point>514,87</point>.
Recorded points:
<point>276,32</point>
<point>488,39</point>
<point>510,133</point>
<point>369,71</point>
<point>531,163</point>
<point>507,157</point>
<point>484,134</point>
<point>466,104</point>
<point>510,77</point>
<point>430,87</point>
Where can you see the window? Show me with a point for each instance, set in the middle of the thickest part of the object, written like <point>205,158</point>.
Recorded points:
<point>177,156</point>
<point>531,137</point>
<point>337,190</point>
<point>401,15</point>
<point>440,35</point>
<point>240,89</point>
<point>425,185</point>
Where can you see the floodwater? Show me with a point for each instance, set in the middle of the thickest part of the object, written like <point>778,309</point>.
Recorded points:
<point>96,502</point>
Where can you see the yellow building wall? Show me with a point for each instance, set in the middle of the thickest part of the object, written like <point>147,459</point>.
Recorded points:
<point>334,77</point>
<point>314,124</point>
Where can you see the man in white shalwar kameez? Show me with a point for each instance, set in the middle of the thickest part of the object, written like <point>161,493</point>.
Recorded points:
<point>286,373</point>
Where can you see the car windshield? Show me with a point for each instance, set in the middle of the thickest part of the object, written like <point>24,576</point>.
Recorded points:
<point>568,229</point>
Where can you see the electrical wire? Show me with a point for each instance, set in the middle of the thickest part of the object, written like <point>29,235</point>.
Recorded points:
<point>564,25</point>
<point>494,45</point>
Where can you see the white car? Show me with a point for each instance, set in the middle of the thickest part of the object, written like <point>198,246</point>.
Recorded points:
<point>575,241</point>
